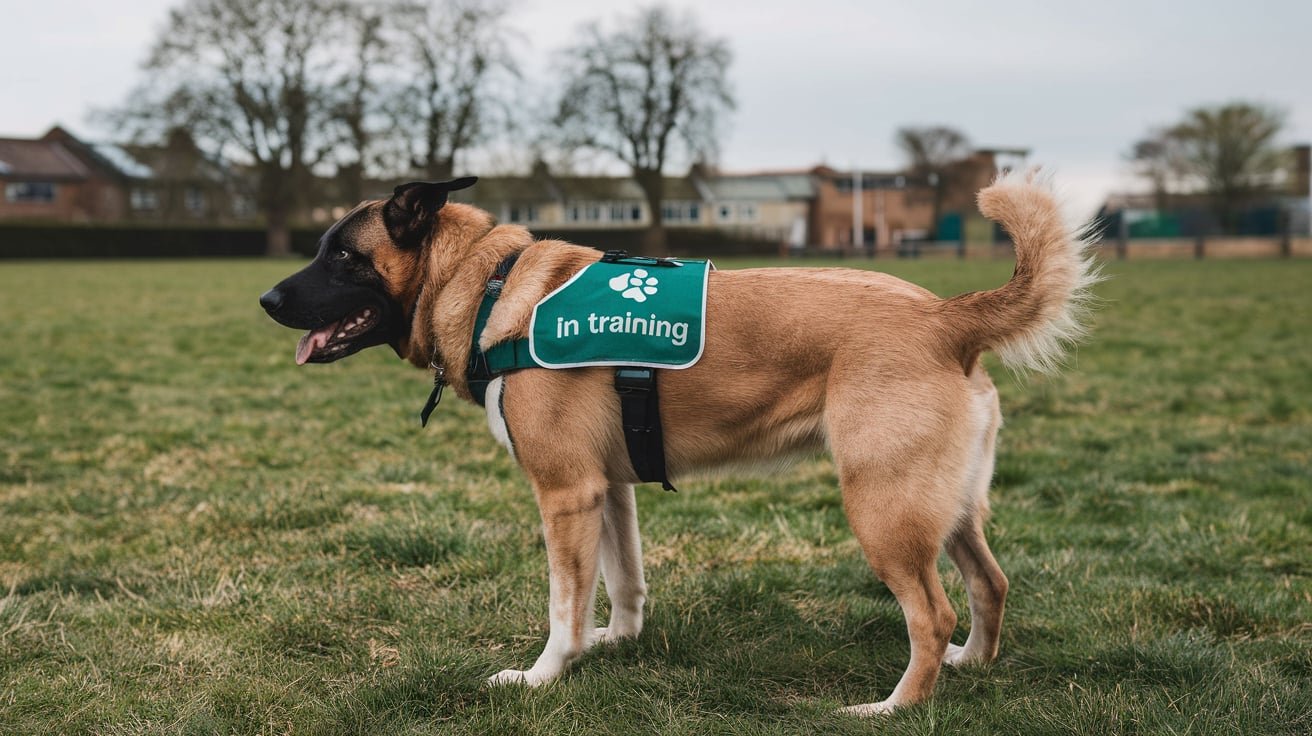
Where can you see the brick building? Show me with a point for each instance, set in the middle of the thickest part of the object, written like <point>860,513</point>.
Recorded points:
<point>60,178</point>
<point>56,177</point>
<point>804,207</point>
<point>897,207</point>
<point>765,207</point>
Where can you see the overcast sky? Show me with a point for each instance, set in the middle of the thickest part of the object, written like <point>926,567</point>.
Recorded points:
<point>830,80</point>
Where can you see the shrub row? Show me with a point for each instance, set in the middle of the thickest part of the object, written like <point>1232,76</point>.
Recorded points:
<point>106,241</point>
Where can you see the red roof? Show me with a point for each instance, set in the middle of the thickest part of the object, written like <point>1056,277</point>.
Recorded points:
<point>38,159</point>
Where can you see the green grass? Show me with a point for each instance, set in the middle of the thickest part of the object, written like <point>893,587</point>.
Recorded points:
<point>198,537</point>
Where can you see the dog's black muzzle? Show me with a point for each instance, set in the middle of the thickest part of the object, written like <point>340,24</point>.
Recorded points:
<point>342,318</point>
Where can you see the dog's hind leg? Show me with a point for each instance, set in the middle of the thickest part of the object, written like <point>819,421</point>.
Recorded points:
<point>986,588</point>
<point>986,585</point>
<point>901,540</point>
<point>621,564</point>
<point>572,523</point>
<point>901,465</point>
<point>907,566</point>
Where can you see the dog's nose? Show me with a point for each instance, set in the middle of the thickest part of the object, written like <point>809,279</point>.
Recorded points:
<point>271,300</point>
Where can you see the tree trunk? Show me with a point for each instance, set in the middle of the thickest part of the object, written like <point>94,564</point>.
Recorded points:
<point>279,235</point>
<point>654,242</point>
<point>351,178</point>
<point>440,169</point>
<point>1161,199</point>
<point>937,211</point>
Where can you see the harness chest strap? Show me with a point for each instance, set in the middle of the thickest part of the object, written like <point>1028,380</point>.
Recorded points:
<point>636,387</point>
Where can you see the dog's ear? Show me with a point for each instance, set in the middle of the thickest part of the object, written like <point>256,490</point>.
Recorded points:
<point>412,211</point>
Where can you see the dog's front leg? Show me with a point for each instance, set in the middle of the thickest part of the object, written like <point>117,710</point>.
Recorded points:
<point>621,565</point>
<point>572,521</point>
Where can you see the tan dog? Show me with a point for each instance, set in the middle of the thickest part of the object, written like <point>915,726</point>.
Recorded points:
<point>880,372</point>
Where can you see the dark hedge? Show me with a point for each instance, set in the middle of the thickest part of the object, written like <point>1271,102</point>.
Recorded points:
<point>87,241</point>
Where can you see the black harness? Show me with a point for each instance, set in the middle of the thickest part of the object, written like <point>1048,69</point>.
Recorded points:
<point>636,387</point>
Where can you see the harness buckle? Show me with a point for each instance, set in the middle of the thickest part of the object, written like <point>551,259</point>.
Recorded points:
<point>634,380</point>
<point>622,256</point>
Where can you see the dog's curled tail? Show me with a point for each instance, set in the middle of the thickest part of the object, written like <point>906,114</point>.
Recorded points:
<point>1034,317</point>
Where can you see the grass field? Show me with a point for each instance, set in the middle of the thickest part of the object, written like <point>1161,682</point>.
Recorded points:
<point>198,537</point>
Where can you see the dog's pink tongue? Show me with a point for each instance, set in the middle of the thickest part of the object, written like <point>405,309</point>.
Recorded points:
<point>312,341</point>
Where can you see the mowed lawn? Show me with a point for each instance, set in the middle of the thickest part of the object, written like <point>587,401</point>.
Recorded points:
<point>198,537</point>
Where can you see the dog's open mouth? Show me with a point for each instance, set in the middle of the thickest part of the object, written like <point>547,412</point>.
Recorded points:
<point>335,340</point>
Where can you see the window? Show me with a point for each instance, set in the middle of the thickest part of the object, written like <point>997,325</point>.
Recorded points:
<point>194,200</point>
<point>583,212</point>
<point>41,192</point>
<point>603,212</point>
<point>724,213</point>
<point>690,212</point>
<point>523,213</point>
<point>747,212</point>
<point>243,206</point>
<point>144,199</point>
<point>623,212</point>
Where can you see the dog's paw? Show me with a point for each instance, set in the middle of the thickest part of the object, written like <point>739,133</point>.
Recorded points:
<point>864,710</point>
<point>517,677</point>
<point>606,635</point>
<point>954,655</point>
<point>957,656</point>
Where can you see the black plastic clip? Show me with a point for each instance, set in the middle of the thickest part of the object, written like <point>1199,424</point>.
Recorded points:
<point>439,383</point>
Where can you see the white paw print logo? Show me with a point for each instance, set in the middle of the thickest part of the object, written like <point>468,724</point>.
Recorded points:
<point>636,285</point>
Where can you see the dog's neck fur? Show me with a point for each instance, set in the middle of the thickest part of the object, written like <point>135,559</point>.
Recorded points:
<point>462,255</point>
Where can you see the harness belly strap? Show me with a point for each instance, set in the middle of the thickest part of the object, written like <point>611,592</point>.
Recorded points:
<point>640,413</point>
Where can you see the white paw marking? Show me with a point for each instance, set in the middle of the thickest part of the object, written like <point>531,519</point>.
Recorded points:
<point>953,655</point>
<point>603,635</point>
<point>636,285</point>
<point>881,708</point>
<point>517,677</point>
<point>507,677</point>
<point>957,656</point>
<point>525,677</point>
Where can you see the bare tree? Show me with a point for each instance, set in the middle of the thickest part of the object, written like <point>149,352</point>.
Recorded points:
<point>640,91</point>
<point>1157,159</point>
<point>934,152</point>
<point>1230,153</point>
<point>456,63</point>
<point>248,76</point>
<point>357,93</point>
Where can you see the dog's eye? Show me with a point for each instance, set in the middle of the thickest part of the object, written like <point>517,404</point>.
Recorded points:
<point>343,255</point>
